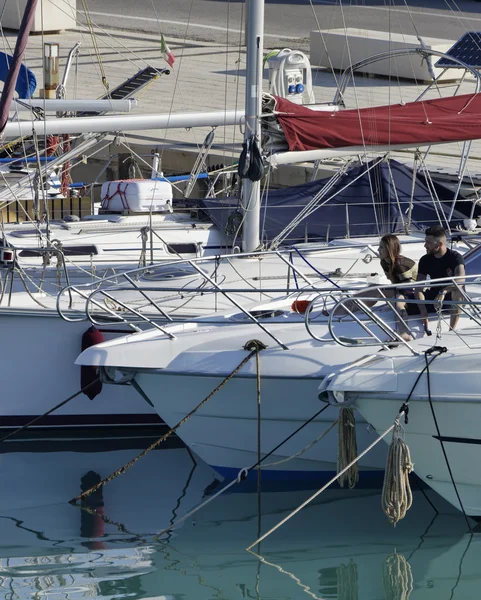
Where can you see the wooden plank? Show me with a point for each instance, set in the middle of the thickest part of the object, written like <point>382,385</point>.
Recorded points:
<point>56,208</point>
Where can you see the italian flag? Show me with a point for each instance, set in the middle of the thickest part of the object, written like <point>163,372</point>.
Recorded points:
<point>167,53</point>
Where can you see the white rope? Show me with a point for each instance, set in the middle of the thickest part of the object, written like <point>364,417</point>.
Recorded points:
<point>347,447</point>
<point>305,588</point>
<point>397,577</point>
<point>396,498</point>
<point>324,487</point>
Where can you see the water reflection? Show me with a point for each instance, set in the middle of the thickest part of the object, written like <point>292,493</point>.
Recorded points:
<point>339,548</point>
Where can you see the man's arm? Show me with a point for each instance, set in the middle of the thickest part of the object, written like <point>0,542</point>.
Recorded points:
<point>460,272</point>
<point>418,292</point>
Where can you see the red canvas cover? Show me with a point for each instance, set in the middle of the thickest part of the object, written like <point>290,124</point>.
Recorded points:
<point>456,118</point>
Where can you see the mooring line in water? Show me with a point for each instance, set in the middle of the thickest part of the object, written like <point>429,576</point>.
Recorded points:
<point>257,347</point>
<point>305,588</point>
<point>30,423</point>
<point>328,484</point>
<point>246,470</point>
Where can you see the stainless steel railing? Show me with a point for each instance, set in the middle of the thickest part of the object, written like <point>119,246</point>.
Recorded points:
<point>379,332</point>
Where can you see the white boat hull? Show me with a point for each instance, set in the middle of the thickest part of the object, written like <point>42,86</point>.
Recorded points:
<point>460,433</point>
<point>442,432</point>
<point>225,430</point>
<point>38,372</point>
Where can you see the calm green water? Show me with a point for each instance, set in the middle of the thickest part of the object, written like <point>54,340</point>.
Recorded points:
<point>339,548</point>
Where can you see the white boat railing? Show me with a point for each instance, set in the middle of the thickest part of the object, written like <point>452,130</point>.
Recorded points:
<point>379,332</point>
<point>103,304</point>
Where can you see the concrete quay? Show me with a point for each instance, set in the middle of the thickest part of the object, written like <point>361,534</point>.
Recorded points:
<point>206,77</point>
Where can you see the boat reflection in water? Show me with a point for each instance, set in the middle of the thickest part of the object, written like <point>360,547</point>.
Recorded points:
<point>340,547</point>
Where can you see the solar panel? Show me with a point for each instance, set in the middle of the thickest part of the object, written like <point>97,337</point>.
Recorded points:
<point>467,49</point>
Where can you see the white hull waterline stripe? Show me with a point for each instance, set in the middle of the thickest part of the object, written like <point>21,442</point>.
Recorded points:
<point>124,123</point>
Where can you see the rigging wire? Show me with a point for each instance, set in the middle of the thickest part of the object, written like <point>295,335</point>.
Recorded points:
<point>93,37</point>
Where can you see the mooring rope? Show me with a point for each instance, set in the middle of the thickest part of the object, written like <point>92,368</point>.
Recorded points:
<point>162,439</point>
<point>347,447</point>
<point>81,391</point>
<point>259,423</point>
<point>244,472</point>
<point>396,497</point>
<point>305,588</point>
<point>397,577</point>
<point>302,450</point>
<point>329,483</point>
<point>440,350</point>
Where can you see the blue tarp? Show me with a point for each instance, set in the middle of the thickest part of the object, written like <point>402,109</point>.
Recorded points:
<point>26,81</point>
<point>376,203</point>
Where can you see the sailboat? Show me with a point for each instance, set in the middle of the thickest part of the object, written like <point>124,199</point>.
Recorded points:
<point>437,383</point>
<point>177,368</point>
<point>49,345</point>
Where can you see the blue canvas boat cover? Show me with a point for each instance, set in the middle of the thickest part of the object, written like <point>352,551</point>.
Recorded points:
<point>26,81</point>
<point>361,202</point>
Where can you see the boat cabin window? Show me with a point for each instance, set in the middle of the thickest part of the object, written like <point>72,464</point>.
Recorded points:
<point>182,248</point>
<point>67,250</point>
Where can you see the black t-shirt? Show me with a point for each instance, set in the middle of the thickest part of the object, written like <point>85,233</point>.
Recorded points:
<point>437,268</point>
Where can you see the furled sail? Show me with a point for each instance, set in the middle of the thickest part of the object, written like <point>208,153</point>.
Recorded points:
<point>452,119</point>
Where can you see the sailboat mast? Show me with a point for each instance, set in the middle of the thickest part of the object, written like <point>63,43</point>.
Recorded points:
<point>255,52</point>
<point>11,80</point>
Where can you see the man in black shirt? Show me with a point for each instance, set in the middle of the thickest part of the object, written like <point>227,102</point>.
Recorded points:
<point>439,262</point>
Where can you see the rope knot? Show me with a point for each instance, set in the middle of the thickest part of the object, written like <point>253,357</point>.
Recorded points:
<point>405,409</point>
<point>438,349</point>
<point>242,474</point>
<point>254,345</point>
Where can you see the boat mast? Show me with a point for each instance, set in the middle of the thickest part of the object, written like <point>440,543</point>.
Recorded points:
<point>11,80</point>
<point>255,51</point>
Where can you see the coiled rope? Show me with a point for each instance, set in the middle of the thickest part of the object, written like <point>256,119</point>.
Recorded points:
<point>347,448</point>
<point>397,577</point>
<point>329,483</point>
<point>396,497</point>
